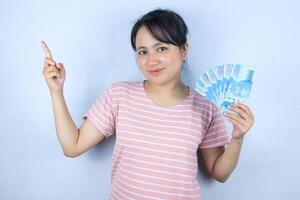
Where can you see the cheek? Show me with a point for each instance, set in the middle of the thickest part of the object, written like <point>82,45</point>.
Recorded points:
<point>141,63</point>
<point>173,61</point>
<point>173,57</point>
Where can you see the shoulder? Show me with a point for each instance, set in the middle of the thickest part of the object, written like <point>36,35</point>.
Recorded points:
<point>125,85</point>
<point>126,88</point>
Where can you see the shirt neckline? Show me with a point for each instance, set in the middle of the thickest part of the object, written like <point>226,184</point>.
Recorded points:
<point>165,107</point>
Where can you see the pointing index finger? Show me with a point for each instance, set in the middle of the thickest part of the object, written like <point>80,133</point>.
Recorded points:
<point>46,50</point>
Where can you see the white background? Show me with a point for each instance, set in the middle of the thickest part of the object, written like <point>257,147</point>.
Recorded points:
<point>92,39</point>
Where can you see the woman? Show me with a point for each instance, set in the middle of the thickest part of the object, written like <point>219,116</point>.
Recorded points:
<point>159,123</point>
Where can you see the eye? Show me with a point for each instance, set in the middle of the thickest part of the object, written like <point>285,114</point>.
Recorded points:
<point>142,52</point>
<point>162,49</point>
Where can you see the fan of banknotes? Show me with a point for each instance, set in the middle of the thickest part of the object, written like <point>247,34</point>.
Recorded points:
<point>226,84</point>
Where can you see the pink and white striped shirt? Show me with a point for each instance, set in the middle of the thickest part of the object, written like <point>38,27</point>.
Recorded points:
<point>155,154</point>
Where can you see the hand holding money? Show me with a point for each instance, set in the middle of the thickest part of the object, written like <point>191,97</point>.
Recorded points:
<point>225,85</point>
<point>242,119</point>
<point>54,73</point>
<point>228,87</point>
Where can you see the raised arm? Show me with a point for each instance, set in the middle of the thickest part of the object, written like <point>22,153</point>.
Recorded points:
<point>73,141</point>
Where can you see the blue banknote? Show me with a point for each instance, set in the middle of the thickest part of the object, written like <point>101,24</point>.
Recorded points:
<point>226,84</point>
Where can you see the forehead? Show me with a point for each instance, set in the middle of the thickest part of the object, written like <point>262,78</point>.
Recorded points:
<point>145,38</point>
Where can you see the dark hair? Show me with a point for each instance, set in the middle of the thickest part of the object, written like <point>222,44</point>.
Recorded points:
<point>165,25</point>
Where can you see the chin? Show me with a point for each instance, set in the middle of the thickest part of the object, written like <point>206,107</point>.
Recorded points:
<point>158,80</point>
<point>163,79</point>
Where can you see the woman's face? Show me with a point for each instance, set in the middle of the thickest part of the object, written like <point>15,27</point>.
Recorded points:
<point>159,62</point>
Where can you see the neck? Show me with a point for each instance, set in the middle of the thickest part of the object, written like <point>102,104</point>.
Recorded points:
<point>173,88</point>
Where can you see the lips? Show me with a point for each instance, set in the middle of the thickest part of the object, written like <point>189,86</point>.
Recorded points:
<point>156,72</point>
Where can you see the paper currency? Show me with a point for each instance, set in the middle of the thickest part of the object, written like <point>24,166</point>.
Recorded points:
<point>226,84</point>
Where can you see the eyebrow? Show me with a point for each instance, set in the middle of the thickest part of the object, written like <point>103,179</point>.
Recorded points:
<point>156,44</point>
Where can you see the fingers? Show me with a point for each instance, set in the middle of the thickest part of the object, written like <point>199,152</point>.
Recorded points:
<point>236,119</point>
<point>49,62</point>
<point>46,50</point>
<point>53,74</point>
<point>243,116</point>
<point>238,123</point>
<point>246,109</point>
<point>60,66</point>
<point>239,111</point>
<point>57,67</point>
<point>242,110</point>
<point>50,69</point>
<point>48,59</point>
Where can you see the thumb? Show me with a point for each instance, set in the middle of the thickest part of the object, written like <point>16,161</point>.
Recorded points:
<point>60,66</point>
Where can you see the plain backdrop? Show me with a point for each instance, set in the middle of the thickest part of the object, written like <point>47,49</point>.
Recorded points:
<point>92,39</point>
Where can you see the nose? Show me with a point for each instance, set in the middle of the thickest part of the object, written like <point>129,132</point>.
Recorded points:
<point>152,59</point>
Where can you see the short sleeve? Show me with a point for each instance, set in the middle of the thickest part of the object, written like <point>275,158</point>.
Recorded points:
<point>102,113</point>
<point>216,134</point>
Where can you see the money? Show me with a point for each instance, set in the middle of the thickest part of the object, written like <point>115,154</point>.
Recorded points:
<point>226,84</point>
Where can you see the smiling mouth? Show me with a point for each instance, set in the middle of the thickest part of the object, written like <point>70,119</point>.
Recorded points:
<point>156,72</point>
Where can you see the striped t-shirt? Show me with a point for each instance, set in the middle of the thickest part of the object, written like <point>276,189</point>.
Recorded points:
<point>155,154</point>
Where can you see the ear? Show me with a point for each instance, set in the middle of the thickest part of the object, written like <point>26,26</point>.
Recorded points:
<point>185,50</point>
